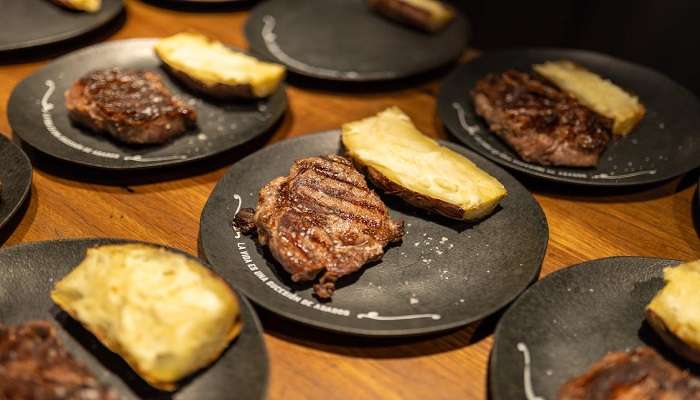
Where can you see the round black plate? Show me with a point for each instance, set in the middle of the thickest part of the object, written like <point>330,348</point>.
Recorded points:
<point>569,320</point>
<point>15,179</point>
<point>343,40</point>
<point>664,145</point>
<point>38,115</point>
<point>34,23</point>
<point>444,275</point>
<point>28,274</point>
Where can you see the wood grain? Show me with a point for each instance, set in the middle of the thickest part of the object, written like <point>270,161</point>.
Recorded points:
<point>308,364</point>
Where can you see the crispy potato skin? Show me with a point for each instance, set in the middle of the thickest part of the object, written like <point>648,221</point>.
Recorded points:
<point>671,340</point>
<point>218,91</point>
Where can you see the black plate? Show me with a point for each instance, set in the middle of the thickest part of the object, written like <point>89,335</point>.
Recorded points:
<point>28,274</point>
<point>664,145</point>
<point>569,320</point>
<point>15,178</point>
<point>38,115</point>
<point>39,22</point>
<point>343,40</point>
<point>446,273</point>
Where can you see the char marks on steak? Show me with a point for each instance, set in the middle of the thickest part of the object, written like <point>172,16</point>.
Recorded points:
<point>35,365</point>
<point>322,217</point>
<point>543,124</point>
<point>639,374</point>
<point>133,106</point>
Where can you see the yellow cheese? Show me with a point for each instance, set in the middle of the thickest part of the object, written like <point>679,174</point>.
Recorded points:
<point>440,14</point>
<point>596,93</point>
<point>678,303</point>
<point>212,63</point>
<point>91,6</point>
<point>164,313</point>
<point>392,145</point>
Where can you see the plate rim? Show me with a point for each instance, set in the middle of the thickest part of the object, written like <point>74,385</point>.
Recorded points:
<point>135,166</point>
<point>64,36</point>
<point>359,79</point>
<point>114,240</point>
<point>27,187</point>
<point>492,386</point>
<point>377,333</point>
<point>442,103</point>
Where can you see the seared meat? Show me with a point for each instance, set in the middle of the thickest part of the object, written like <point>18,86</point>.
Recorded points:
<point>636,375</point>
<point>543,124</point>
<point>34,365</point>
<point>323,217</point>
<point>133,106</point>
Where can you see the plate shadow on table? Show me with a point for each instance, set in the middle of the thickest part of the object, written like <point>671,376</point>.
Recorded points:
<point>28,209</point>
<point>54,50</point>
<point>203,6</point>
<point>415,82</point>
<point>377,348</point>
<point>76,172</point>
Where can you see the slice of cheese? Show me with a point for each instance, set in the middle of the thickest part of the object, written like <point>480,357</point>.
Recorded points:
<point>392,145</point>
<point>164,313</point>
<point>596,93</point>
<point>212,63</point>
<point>91,6</point>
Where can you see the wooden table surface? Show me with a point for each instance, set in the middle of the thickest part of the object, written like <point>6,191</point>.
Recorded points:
<point>305,363</point>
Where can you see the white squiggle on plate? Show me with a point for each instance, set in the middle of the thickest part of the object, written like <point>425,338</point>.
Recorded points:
<point>473,131</point>
<point>238,198</point>
<point>527,373</point>
<point>270,39</point>
<point>47,118</point>
<point>375,316</point>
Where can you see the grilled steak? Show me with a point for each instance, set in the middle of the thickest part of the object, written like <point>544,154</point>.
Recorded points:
<point>322,217</point>
<point>543,124</point>
<point>639,374</point>
<point>131,105</point>
<point>34,365</point>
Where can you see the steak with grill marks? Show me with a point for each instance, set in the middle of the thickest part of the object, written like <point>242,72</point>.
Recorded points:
<point>322,219</point>
<point>639,374</point>
<point>34,365</point>
<point>540,122</point>
<point>133,106</point>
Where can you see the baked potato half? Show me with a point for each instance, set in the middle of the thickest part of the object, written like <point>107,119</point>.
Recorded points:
<point>402,161</point>
<point>91,6</point>
<point>209,67</point>
<point>164,313</point>
<point>674,313</point>
<point>427,15</point>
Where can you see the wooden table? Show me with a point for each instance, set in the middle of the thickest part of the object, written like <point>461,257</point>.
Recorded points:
<point>309,364</point>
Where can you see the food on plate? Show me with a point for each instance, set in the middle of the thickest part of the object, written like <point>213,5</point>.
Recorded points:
<point>674,313</point>
<point>166,314</point>
<point>321,219</point>
<point>596,93</point>
<point>34,364</point>
<point>428,15</point>
<point>133,106</point>
<point>638,374</point>
<point>404,162</point>
<point>540,122</point>
<point>208,66</point>
<point>91,6</point>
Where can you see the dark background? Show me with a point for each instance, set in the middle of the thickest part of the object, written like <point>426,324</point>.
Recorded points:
<point>662,34</point>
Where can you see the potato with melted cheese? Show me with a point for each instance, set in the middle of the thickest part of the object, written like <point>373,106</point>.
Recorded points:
<point>404,162</point>
<point>674,313</point>
<point>166,314</point>
<point>91,6</point>
<point>209,67</point>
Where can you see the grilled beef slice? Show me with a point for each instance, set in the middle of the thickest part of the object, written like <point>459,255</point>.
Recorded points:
<point>540,122</point>
<point>133,106</point>
<point>322,219</point>
<point>34,365</point>
<point>636,375</point>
